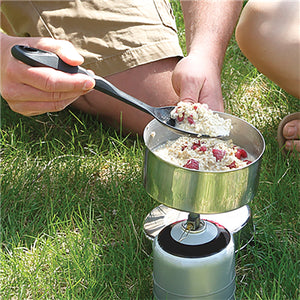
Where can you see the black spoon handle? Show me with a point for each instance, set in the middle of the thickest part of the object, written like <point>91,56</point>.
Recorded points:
<point>40,58</point>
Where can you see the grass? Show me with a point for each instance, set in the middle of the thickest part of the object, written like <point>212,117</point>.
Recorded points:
<point>72,206</point>
<point>73,202</point>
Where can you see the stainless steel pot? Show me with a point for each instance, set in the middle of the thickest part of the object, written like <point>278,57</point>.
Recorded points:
<point>198,191</point>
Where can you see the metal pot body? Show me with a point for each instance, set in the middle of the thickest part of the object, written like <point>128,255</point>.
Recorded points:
<point>210,277</point>
<point>198,191</point>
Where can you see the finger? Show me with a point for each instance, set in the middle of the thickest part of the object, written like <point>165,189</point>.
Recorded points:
<point>33,108</point>
<point>64,49</point>
<point>51,80</point>
<point>213,97</point>
<point>48,79</point>
<point>24,93</point>
<point>190,90</point>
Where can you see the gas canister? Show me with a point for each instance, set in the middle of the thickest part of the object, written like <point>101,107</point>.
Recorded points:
<point>194,264</point>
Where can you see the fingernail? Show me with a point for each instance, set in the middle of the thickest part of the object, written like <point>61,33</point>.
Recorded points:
<point>88,85</point>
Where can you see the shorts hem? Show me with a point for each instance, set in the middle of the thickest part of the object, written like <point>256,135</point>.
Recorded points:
<point>131,58</point>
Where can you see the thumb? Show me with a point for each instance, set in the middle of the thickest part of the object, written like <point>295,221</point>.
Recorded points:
<point>187,88</point>
<point>190,91</point>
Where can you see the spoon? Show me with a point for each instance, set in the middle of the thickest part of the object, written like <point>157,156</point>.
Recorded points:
<point>40,58</point>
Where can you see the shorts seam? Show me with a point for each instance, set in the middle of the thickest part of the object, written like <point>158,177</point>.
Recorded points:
<point>42,20</point>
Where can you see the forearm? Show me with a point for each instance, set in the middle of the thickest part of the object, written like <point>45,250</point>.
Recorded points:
<point>209,25</point>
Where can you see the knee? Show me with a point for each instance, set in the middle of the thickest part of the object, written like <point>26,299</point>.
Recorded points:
<point>251,28</point>
<point>268,35</point>
<point>265,24</point>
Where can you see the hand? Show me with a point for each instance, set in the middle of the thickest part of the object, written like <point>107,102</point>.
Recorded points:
<point>197,79</point>
<point>36,90</point>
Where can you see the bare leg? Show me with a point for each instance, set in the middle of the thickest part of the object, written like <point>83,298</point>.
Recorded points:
<point>268,35</point>
<point>150,83</point>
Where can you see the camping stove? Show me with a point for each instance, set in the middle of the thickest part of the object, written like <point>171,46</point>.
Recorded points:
<point>238,222</point>
<point>193,257</point>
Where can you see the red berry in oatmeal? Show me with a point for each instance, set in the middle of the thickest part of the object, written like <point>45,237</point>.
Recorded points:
<point>218,154</point>
<point>192,164</point>
<point>180,119</point>
<point>196,145</point>
<point>232,165</point>
<point>191,120</point>
<point>240,153</point>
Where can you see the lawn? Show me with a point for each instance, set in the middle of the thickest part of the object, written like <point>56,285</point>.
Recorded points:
<point>73,201</point>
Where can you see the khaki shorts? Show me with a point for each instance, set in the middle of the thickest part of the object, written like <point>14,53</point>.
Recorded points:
<point>112,35</point>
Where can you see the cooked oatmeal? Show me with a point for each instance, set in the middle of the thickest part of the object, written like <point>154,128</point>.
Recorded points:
<point>205,154</point>
<point>198,118</point>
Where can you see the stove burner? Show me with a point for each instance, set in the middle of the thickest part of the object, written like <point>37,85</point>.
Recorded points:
<point>238,222</point>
